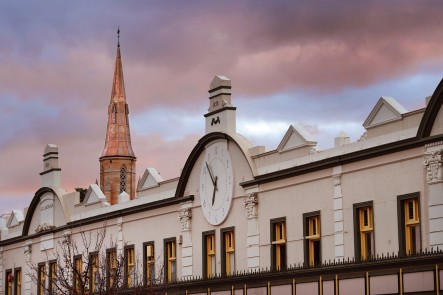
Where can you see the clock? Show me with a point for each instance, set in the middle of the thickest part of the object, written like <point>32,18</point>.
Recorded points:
<point>216,182</point>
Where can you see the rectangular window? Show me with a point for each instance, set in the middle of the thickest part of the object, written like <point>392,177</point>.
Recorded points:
<point>18,282</point>
<point>130,266</point>
<point>278,248</point>
<point>312,231</point>
<point>78,270</point>
<point>364,230</point>
<point>9,282</point>
<point>53,277</point>
<point>41,279</point>
<point>228,246</point>
<point>149,265</point>
<point>111,258</point>
<point>209,254</point>
<point>94,274</point>
<point>409,231</point>
<point>170,260</point>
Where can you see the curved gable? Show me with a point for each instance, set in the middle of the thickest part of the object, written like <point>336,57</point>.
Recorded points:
<point>433,111</point>
<point>49,215</point>
<point>199,148</point>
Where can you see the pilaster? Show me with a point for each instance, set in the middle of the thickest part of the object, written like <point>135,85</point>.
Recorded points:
<point>120,242</point>
<point>253,234</point>
<point>338,214</point>
<point>27,251</point>
<point>185,215</point>
<point>433,167</point>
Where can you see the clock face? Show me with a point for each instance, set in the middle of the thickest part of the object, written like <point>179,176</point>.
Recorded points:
<point>216,183</point>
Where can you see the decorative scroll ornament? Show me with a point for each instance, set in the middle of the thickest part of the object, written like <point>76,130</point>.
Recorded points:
<point>251,204</point>
<point>66,238</point>
<point>185,219</point>
<point>433,165</point>
<point>337,179</point>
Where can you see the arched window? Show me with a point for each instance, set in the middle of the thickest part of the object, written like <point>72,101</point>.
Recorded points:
<point>123,179</point>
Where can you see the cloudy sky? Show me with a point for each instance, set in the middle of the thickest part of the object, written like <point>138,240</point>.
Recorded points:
<point>322,64</point>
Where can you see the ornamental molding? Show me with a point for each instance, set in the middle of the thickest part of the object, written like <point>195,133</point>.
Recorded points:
<point>433,164</point>
<point>251,205</point>
<point>432,144</point>
<point>185,219</point>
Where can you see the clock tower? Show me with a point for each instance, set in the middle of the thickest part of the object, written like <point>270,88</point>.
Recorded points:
<point>117,162</point>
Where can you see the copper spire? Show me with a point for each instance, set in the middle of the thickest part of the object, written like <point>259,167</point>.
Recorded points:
<point>118,138</point>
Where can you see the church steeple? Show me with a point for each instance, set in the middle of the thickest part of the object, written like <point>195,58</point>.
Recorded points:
<point>117,162</point>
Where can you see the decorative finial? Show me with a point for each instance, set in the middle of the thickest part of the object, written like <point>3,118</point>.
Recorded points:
<point>118,36</point>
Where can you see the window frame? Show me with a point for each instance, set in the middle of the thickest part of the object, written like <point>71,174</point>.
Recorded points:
<point>308,239</point>
<point>166,259</point>
<point>108,264</point>
<point>357,229</point>
<point>224,257</point>
<point>41,286</point>
<point>205,253</point>
<point>7,272</point>
<point>401,199</point>
<point>17,278</point>
<point>126,264</point>
<point>274,245</point>
<point>91,269</point>
<point>145,263</point>
<point>51,274</point>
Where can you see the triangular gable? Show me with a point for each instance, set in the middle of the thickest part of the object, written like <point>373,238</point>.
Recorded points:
<point>386,110</point>
<point>151,178</point>
<point>94,195</point>
<point>296,136</point>
<point>15,218</point>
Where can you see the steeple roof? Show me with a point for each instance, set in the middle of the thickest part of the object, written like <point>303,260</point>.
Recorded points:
<point>118,136</point>
<point>118,85</point>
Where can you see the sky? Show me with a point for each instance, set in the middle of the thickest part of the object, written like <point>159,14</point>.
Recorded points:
<point>322,64</point>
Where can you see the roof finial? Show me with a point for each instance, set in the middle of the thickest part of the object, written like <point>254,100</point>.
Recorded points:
<point>118,36</point>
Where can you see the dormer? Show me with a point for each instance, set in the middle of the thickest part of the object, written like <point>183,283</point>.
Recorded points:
<point>151,178</point>
<point>297,137</point>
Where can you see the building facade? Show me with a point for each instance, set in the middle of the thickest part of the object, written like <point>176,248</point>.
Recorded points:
<point>363,217</point>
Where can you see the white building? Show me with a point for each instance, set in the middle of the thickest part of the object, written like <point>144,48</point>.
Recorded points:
<point>238,208</point>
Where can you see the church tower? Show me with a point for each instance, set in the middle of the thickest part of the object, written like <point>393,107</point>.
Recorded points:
<point>117,162</point>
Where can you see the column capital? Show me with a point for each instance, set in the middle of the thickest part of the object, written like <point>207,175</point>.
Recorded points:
<point>433,164</point>
<point>251,203</point>
<point>185,219</point>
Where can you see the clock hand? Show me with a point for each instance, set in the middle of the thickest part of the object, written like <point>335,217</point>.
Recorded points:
<point>210,174</point>
<point>215,189</point>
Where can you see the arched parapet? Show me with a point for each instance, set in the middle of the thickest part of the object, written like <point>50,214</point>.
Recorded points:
<point>432,121</point>
<point>242,143</point>
<point>46,211</point>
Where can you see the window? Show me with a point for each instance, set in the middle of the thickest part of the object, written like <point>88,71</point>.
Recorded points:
<point>41,279</point>
<point>18,282</point>
<point>228,245</point>
<point>130,266</point>
<point>278,248</point>
<point>364,230</point>
<point>170,260</point>
<point>78,264</point>
<point>123,179</point>
<point>149,265</point>
<point>53,277</point>
<point>409,223</point>
<point>94,281</point>
<point>111,257</point>
<point>9,282</point>
<point>114,114</point>
<point>312,234</point>
<point>209,254</point>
